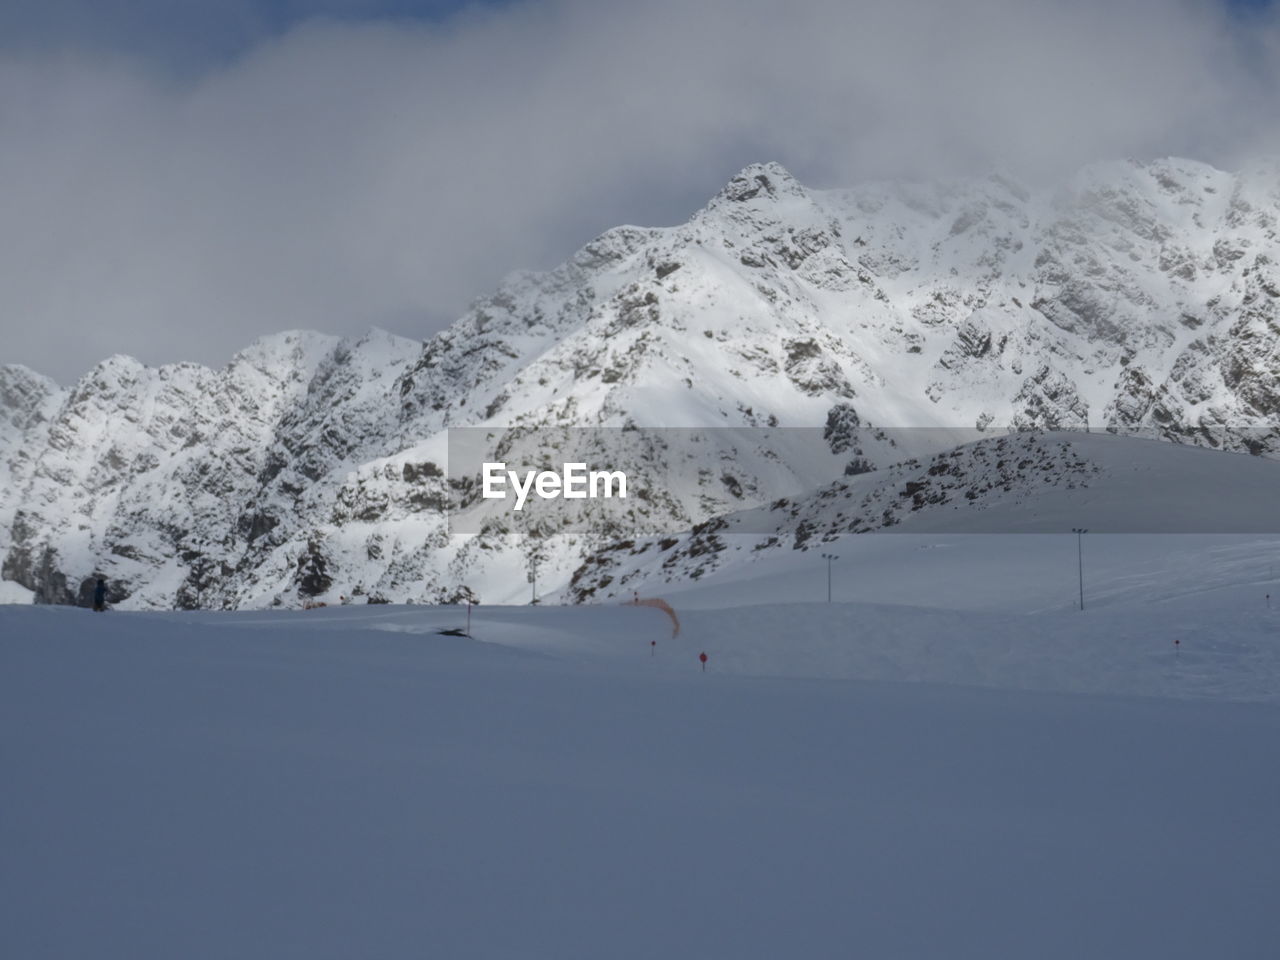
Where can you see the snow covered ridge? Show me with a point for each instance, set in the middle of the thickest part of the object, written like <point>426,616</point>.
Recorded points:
<point>744,477</point>
<point>1140,298</point>
<point>1020,483</point>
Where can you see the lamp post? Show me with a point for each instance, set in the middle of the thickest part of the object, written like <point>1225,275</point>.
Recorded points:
<point>1080,532</point>
<point>829,557</point>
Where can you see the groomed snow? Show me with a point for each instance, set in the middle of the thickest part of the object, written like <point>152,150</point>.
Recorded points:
<point>348,782</point>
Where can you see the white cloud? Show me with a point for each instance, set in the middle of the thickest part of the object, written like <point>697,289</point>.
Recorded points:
<point>350,175</point>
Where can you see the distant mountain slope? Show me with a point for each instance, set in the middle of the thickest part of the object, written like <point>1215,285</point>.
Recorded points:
<point>1020,483</point>
<point>1140,298</point>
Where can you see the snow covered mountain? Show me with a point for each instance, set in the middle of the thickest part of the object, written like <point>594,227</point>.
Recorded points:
<point>1140,299</point>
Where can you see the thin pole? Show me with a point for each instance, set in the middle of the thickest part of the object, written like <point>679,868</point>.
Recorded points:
<point>1080,560</point>
<point>1080,532</point>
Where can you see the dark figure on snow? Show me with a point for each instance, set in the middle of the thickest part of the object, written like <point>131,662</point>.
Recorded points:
<point>100,596</point>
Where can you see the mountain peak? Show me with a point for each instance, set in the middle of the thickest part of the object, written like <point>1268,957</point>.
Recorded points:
<point>20,376</point>
<point>288,354</point>
<point>760,181</point>
<point>22,391</point>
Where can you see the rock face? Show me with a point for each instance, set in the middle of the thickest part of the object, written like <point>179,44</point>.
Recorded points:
<point>1139,299</point>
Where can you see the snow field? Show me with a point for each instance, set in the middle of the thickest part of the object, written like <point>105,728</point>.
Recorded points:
<point>347,782</point>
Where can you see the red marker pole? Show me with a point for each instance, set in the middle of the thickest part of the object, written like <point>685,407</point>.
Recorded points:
<point>653,647</point>
<point>703,658</point>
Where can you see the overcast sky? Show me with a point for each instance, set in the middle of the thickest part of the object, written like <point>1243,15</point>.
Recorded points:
<point>177,179</point>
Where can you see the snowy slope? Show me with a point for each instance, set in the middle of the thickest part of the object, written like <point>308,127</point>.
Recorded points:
<point>137,472</point>
<point>1139,298</point>
<point>1025,483</point>
<point>347,782</point>
<point>27,402</point>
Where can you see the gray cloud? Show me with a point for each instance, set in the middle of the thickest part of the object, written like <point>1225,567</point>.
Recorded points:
<point>349,175</point>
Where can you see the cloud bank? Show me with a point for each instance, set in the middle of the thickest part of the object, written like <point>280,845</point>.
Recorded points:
<point>346,175</point>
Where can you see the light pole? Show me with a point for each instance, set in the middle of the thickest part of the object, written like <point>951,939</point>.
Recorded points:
<point>1080,532</point>
<point>533,555</point>
<point>829,557</point>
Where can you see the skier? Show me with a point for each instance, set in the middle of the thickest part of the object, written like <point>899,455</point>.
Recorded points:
<point>100,596</point>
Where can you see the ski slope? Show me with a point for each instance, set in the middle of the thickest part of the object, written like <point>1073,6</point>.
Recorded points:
<point>348,782</point>
<point>1012,573</point>
<point>1154,510</point>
